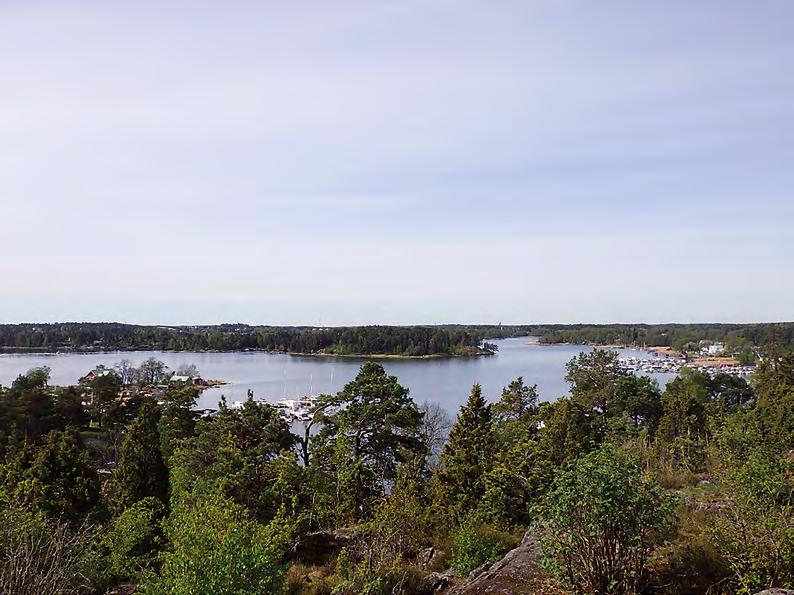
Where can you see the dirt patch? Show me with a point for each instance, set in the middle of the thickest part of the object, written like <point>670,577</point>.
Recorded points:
<point>664,351</point>
<point>713,362</point>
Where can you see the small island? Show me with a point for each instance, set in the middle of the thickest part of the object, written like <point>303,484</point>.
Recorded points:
<point>374,341</point>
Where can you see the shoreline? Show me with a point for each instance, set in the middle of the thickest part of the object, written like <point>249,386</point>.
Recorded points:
<point>4,351</point>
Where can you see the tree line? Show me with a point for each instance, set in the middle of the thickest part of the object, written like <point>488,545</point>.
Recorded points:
<point>375,340</point>
<point>626,488</point>
<point>681,337</point>
<point>367,340</point>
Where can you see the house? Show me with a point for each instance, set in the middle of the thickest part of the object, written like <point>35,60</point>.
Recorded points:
<point>97,372</point>
<point>716,349</point>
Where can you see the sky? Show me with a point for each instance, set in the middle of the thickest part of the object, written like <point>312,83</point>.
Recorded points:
<point>396,162</point>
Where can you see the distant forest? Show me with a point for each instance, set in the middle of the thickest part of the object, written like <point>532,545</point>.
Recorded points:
<point>677,336</point>
<point>372,340</point>
<point>368,340</point>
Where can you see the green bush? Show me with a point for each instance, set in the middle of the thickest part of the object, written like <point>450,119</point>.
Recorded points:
<point>134,540</point>
<point>600,523</point>
<point>755,532</point>
<point>216,549</point>
<point>474,543</point>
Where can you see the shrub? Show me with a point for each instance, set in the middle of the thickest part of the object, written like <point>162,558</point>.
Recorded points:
<point>755,532</point>
<point>39,556</point>
<point>474,543</point>
<point>369,575</point>
<point>134,539</point>
<point>691,563</point>
<point>600,523</point>
<point>308,580</point>
<point>217,549</point>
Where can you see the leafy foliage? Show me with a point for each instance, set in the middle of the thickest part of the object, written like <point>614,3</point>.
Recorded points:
<point>475,542</point>
<point>56,478</point>
<point>600,523</point>
<point>134,540</point>
<point>217,549</point>
<point>756,530</point>
<point>221,504</point>
<point>248,454</point>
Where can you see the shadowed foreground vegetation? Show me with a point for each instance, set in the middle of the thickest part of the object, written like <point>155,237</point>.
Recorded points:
<point>623,487</point>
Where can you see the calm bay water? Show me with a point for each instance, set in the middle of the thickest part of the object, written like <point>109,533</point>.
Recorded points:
<point>446,381</point>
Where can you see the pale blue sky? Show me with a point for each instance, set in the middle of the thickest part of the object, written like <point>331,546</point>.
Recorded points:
<point>397,162</point>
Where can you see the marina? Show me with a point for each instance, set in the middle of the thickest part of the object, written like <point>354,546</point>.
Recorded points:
<point>673,365</point>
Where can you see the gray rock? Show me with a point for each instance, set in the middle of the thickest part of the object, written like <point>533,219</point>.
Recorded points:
<point>776,592</point>
<point>518,573</point>
<point>436,581</point>
<point>427,555</point>
<point>479,570</point>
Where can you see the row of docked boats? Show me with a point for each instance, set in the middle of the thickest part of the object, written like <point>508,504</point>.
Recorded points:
<point>652,365</point>
<point>300,409</point>
<point>673,365</point>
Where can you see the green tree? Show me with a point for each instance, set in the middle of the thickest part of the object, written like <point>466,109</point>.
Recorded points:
<point>371,427</point>
<point>683,427</point>
<point>178,419</point>
<point>56,478</point>
<point>773,414</point>
<point>600,523</point>
<point>134,539</point>
<point>730,393</point>
<point>594,378</point>
<point>635,406</point>
<point>141,471</point>
<point>103,393</point>
<point>399,527</point>
<point>217,549</point>
<point>520,475</point>
<point>517,401</point>
<point>30,406</point>
<point>467,456</point>
<point>248,453</point>
<point>475,542</point>
<point>69,408</point>
<point>566,430</point>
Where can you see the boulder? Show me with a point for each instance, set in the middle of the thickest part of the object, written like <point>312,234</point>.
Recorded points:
<point>518,573</point>
<point>776,592</point>
<point>437,581</point>
<point>427,556</point>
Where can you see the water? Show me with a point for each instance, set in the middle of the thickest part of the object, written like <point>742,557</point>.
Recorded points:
<point>446,381</point>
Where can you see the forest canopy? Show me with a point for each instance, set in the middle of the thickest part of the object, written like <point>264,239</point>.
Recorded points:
<point>372,340</point>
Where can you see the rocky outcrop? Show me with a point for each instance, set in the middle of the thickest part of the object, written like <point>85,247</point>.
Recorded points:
<point>428,556</point>
<point>776,592</point>
<point>518,573</point>
<point>437,581</point>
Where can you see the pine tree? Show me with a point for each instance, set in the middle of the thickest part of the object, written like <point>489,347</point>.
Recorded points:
<point>141,471</point>
<point>468,454</point>
<point>56,478</point>
<point>373,429</point>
